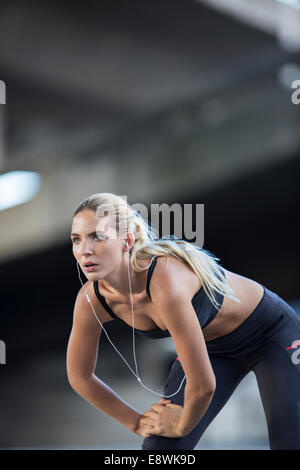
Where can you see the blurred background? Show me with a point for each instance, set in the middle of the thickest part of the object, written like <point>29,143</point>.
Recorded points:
<point>174,101</point>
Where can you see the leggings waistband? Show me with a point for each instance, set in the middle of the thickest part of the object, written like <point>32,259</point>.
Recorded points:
<point>269,315</point>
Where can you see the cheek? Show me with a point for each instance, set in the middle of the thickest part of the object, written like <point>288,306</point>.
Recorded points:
<point>114,247</point>
<point>113,254</point>
<point>74,249</point>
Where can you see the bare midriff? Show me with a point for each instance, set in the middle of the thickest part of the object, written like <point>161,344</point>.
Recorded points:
<point>232,313</point>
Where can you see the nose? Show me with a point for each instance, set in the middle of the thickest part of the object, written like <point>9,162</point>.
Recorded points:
<point>86,247</point>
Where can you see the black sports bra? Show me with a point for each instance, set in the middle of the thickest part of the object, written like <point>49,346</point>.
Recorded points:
<point>203,307</point>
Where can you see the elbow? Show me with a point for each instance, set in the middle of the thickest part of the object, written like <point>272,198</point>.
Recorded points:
<point>72,378</point>
<point>203,390</point>
<point>78,382</point>
<point>207,391</point>
<point>73,382</point>
<point>211,388</point>
<point>205,394</point>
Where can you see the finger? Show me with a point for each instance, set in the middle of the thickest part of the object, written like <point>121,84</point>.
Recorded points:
<point>159,405</point>
<point>152,420</point>
<point>157,408</point>
<point>148,422</point>
<point>150,413</point>
<point>163,402</point>
<point>146,428</point>
<point>153,415</point>
<point>148,434</point>
<point>172,405</point>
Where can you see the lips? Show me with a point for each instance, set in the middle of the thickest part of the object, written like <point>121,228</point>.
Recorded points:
<point>89,264</point>
<point>89,267</point>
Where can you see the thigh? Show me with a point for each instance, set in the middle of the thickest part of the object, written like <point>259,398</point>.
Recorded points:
<point>278,378</point>
<point>228,375</point>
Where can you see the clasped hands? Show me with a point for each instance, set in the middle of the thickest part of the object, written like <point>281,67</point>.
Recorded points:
<point>161,420</point>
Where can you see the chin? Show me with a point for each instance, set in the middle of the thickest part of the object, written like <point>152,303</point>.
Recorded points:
<point>93,275</point>
<point>96,276</point>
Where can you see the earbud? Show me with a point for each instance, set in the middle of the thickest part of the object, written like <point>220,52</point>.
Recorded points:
<point>126,244</point>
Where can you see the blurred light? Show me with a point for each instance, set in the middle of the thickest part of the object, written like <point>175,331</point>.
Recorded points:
<point>287,74</point>
<point>293,3</point>
<point>18,187</point>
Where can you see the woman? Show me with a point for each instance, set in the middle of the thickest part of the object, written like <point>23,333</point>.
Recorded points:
<point>223,326</point>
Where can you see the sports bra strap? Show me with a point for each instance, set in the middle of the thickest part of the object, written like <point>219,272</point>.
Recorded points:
<point>149,275</point>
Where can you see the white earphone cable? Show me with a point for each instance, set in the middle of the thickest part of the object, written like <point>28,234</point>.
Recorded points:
<point>136,374</point>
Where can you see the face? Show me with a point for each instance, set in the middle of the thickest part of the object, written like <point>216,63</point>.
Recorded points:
<point>95,242</point>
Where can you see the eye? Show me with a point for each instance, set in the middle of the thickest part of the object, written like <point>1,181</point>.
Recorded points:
<point>100,237</point>
<point>96,236</point>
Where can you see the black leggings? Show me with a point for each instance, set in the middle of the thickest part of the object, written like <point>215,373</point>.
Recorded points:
<point>267,342</point>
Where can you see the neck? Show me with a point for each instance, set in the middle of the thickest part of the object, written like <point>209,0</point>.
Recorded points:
<point>117,282</point>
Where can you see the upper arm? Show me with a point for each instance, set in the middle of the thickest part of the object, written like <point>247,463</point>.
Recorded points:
<point>170,296</point>
<point>84,338</point>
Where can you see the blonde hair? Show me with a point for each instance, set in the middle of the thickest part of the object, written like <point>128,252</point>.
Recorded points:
<point>147,244</point>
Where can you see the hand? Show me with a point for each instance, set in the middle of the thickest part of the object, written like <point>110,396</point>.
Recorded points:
<point>144,429</point>
<point>161,419</point>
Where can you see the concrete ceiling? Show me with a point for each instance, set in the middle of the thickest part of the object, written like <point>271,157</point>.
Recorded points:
<point>140,99</point>
<point>70,70</point>
<point>280,18</point>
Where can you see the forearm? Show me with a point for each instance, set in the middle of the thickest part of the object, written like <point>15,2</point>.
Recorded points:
<point>195,405</point>
<point>106,400</point>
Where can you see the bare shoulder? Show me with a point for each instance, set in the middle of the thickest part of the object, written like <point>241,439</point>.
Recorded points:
<point>83,311</point>
<point>172,276</point>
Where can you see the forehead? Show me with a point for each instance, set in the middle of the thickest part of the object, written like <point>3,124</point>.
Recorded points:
<point>88,220</point>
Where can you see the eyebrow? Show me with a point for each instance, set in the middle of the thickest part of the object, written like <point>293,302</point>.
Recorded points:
<point>89,235</point>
